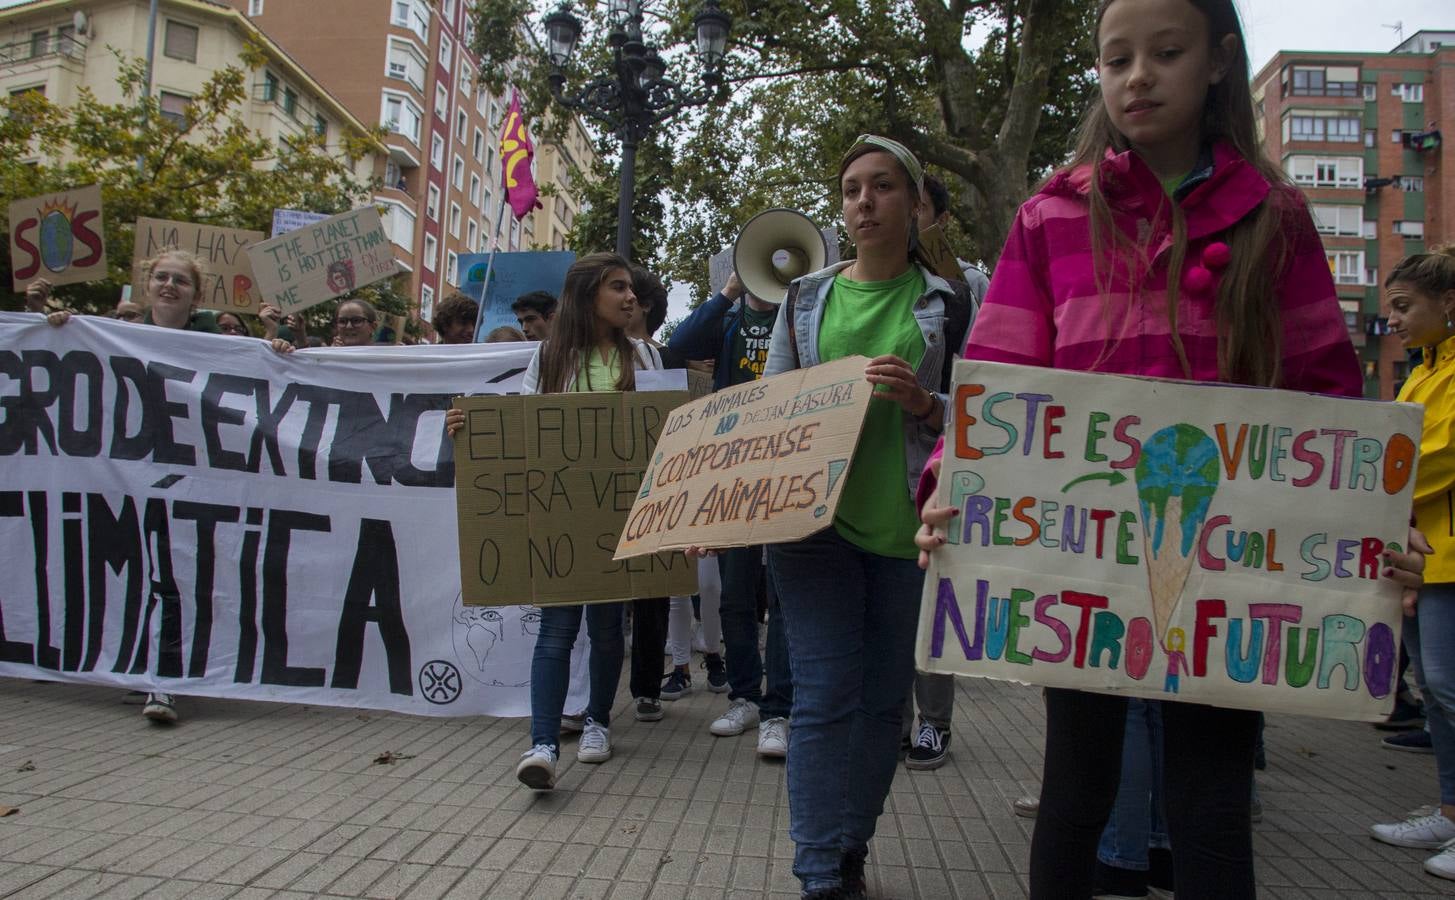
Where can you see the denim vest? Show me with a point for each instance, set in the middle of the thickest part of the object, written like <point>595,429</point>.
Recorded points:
<point>929,314</point>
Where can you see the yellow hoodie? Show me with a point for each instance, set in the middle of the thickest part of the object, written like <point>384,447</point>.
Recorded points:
<point>1431,384</point>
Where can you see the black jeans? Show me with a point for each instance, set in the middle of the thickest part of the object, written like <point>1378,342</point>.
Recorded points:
<point>1207,786</point>
<point>649,645</point>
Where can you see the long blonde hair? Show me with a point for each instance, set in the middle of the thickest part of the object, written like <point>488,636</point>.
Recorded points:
<point>573,333</point>
<point>1248,321</point>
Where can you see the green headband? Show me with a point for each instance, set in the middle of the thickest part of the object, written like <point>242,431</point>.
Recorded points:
<point>899,152</point>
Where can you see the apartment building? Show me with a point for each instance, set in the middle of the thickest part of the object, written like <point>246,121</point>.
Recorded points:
<point>58,47</point>
<point>406,64</point>
<point>1360,134</point>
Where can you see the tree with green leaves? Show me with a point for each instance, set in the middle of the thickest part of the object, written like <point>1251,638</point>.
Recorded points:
<point>986,92</point>
<point>209,167</point>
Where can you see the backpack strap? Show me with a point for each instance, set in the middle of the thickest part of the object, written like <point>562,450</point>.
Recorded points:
<point>959,310</point>
<point>788,303</point>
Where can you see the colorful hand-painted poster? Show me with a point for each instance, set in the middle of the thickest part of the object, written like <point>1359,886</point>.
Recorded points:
<point>759,463</point>
<point>58,237</point>
<point>228,280</point>
<point>1159,539</point>
<point>327,259</point>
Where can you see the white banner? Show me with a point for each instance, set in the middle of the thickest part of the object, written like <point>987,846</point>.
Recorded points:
<point>196,514</point>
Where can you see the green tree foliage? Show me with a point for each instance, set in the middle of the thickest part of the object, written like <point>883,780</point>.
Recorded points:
<point>986,92</point>
<point>210,168</point>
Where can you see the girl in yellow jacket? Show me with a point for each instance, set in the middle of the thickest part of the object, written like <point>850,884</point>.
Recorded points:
<point>1421,295</point>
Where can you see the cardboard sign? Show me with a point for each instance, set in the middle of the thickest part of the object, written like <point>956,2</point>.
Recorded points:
<point>935,252</point>
<point>330,258</point>
<point>58,237</point>
<point>1167,540</point>
<point>512,274</point>
<point>229,274</point>
<point>543,486</point>
<point>286,220</point>
<point>755,464</point>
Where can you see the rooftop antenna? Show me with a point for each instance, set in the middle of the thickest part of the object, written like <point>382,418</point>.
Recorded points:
<point>1398,29</point>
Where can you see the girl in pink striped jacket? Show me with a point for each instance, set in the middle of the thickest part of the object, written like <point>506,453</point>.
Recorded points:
<point>1168,247</point>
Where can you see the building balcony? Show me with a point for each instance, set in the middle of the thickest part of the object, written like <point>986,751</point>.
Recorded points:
<point>42,51</point>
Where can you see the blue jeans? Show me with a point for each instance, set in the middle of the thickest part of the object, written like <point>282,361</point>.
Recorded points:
<point>1429,639</point>
<point>1136,819</point>
<point>742,572</point>
<point>851,618</point>
<point>550,666</point>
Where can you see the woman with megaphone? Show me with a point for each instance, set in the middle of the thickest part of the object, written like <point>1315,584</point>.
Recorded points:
<point>850,593</point>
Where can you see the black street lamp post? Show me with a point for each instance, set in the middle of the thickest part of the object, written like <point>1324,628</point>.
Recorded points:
<point>636,94</point>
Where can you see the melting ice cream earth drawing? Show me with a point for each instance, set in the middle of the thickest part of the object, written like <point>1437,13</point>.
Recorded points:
<point>1177,476</point>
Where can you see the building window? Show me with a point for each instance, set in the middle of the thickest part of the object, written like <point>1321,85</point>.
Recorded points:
<point>449,7</point>
<point>1396,137</point>
<point>452,268</point>
<point>482,100</point>
<point>290,102</point>
<point>485,210</point>
<point>426,302</point>
<point>1369,137</point>
<point>454,220</point>
<point>1371,93</point>
<point>1325,81</point>
<point>1411,182</point>
<point>447,51</point>
<point>475,189</point>
<point>457,173</point>
<point>1312,126</point>
<point>1341,220</point>
<point>174,108</point>
<point>412,14</point>
<point>467,78</point>
<point>406,63</point>
<point>462,125</point>
<point>1371,276</point>
<point>1347,266</point>
<point>180,41</point>
<point>320,126</point>
<point>402,116</point>
<point>1371,230</point>
<point>495,113</point>
<point>400,225</point>
<point>441,100</point>
<point>270,87</point>
<point>1336,171</point>
<point>437,151</point>
<point>432,204</point>
<point>1410,229</point>
<point>392,178</point>
<point>473,239</point>
<point>255,7</point>
<point>479,146</point>
<point>431,251</point>
<point>1409,93</point>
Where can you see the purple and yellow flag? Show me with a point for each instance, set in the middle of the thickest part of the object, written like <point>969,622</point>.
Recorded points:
<point>516,151</point>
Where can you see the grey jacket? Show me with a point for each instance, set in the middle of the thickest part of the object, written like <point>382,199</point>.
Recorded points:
<point>929,312</point>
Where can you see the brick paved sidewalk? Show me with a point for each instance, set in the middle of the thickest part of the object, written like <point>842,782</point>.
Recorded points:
<point>254,800</point>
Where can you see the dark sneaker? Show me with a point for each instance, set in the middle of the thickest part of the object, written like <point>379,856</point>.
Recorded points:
<point>160,708</point>
<point>1113,883</point>
<point>1410,742</point>
<point>649,709</point>
<point>716,673</point>
<point>931,746</point>
<point>1407,715</point>
<point>573,724</point>
<point>678,684</point>
<point>851,874</point>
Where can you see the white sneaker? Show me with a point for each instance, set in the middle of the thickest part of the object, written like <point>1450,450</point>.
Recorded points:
<point>595,745</point>
<point>160,708</point>
<point>773,738</point>
<point>1425,832</point>
<point>537,767</point>
<point>1442,864</point>
<point>741,715</point>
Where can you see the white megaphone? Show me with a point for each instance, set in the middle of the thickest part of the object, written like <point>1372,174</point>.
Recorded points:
<point>775,247</point>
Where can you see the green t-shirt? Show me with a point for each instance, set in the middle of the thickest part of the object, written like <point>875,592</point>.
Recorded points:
<point>874,318</point>
<point>599,373</point>
<point>750,345</point>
